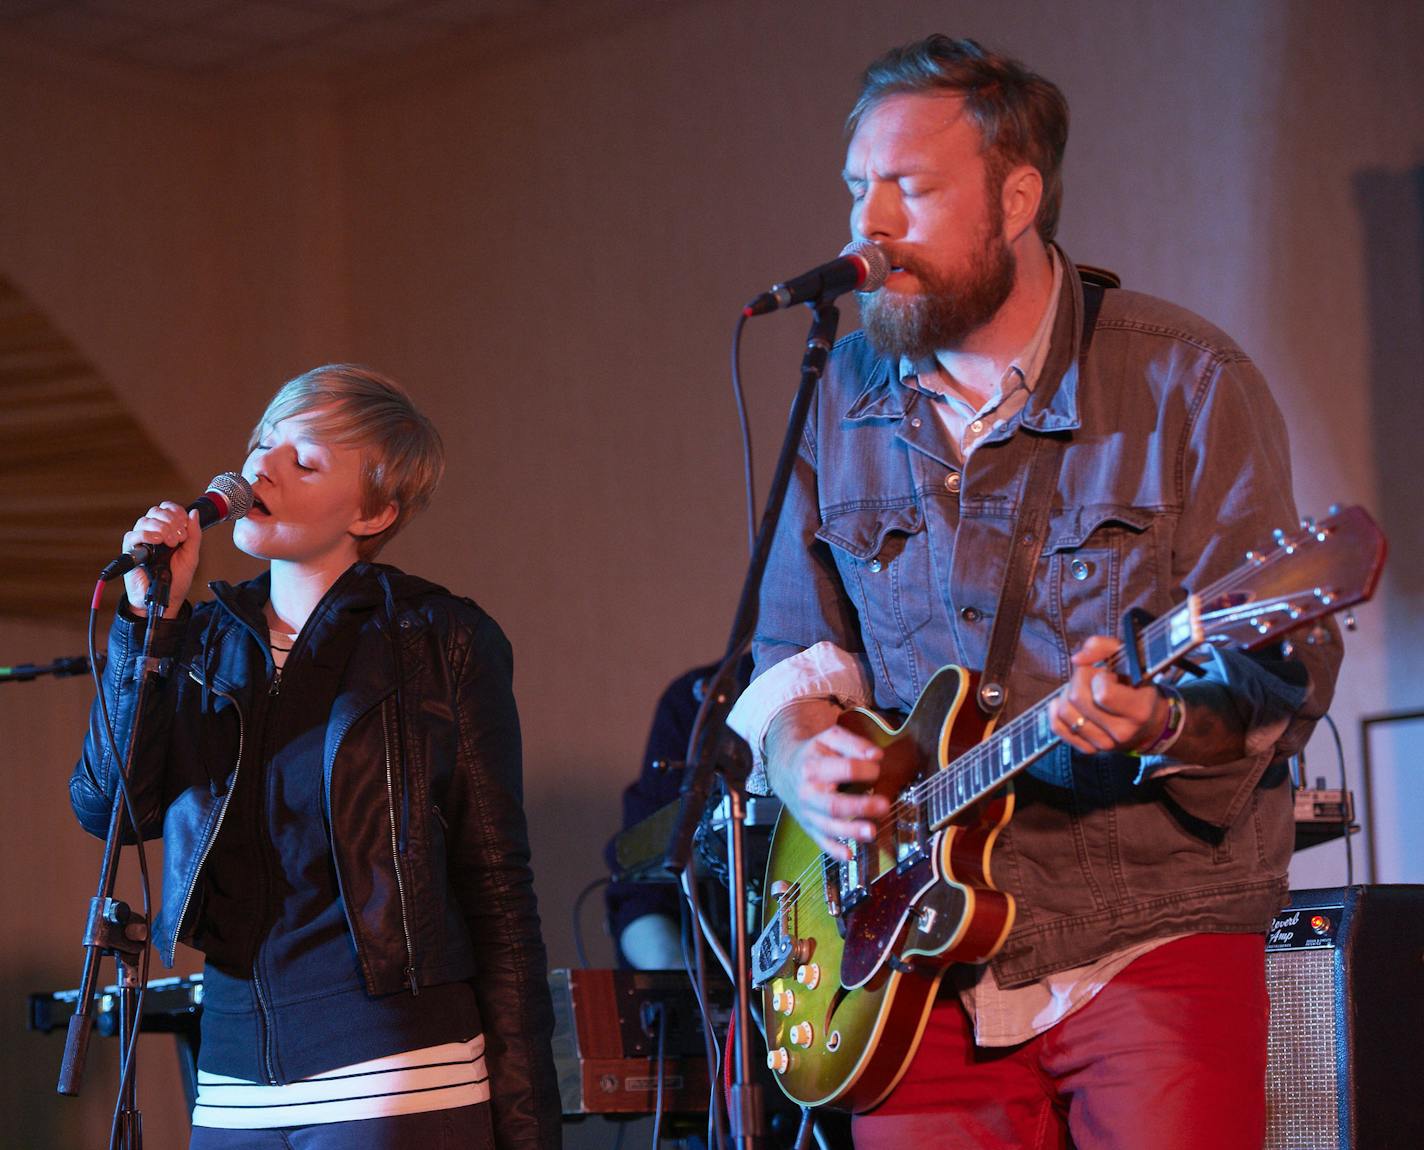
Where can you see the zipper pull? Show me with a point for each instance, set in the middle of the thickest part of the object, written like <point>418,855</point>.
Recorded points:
<point>410,978</point>
<point>276,686</point>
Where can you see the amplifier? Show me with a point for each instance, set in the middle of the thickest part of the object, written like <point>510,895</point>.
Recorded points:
<point>1345,1063</point>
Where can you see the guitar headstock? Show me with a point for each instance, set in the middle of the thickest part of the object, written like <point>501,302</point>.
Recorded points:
<point>1309,573</point>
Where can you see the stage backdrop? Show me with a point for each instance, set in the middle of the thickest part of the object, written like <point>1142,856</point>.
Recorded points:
<point>547,232</point>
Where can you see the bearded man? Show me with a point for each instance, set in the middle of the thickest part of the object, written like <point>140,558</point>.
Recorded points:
<point>1149,850</point>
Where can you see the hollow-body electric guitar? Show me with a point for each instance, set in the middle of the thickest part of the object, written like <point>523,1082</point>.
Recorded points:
<point>851,954</point>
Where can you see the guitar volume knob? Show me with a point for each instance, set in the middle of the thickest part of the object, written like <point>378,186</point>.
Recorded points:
<point>802,1034</point>
<point>783,1001</point>
<point>809,975</point>
<point>778,1060</point>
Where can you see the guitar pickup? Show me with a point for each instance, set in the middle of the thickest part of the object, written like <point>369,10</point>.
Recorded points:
<point>854,876</point>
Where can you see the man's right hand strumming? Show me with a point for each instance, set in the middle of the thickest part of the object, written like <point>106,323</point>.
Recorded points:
<point>809,759</point>
<point>169,524</point>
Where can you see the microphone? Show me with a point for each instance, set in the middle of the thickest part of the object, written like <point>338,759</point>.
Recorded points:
<point>229,496</point>
<point>861,266</point>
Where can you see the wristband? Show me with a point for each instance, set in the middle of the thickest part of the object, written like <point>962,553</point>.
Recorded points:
<point>1172,728</point>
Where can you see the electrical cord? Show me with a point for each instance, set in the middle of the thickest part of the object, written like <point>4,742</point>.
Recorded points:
<point>1345,804</point>
<point>604,880</point>
<point>659,1010</point>
<point>693,964</point>
<point>740,396</point>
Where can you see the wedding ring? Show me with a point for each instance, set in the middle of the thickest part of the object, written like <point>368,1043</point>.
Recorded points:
<point>1078,724</point>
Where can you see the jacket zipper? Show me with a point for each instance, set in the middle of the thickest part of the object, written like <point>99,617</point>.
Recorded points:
<point>264,1012</point>
<point>227,799</point>
<point>265,1015</point>
<point>395,858</point>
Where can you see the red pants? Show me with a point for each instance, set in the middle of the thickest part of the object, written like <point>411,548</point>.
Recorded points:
<point>1170,1055</point>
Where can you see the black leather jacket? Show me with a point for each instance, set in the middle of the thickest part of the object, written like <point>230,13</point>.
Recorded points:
<point>423,797</point>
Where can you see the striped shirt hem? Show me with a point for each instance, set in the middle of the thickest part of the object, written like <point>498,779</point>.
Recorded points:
<point>440,1077</point>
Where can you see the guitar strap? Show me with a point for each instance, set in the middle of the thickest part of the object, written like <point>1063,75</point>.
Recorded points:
<point>1031,524</point>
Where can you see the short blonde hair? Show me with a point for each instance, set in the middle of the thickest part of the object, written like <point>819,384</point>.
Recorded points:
<point>402,455</point>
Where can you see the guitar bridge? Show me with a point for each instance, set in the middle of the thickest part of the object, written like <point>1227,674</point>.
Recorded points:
<point>911,834</point>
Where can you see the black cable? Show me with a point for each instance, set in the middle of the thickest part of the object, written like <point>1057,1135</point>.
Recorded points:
<point>1346,806</point>
<point>695,965</point>
<point>709,1040</point>
<point>740,397</point>
<point>144,884</point>
<point>578,917</point>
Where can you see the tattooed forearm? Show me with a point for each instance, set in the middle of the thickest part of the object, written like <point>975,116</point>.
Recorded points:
<point>1214,731</point>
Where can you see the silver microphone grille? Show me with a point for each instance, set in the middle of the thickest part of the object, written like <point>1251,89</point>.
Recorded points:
<point>877,267</point>
<point>236,490</point>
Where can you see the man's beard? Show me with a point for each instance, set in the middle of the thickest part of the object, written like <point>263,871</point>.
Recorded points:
<point>949,306</point>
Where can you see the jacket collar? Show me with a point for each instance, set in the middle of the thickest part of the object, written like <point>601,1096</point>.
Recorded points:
<point>358,589</point>
<point>1053,405</point>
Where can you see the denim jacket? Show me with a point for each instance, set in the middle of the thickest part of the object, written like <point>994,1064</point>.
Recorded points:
<point>1176,463</point>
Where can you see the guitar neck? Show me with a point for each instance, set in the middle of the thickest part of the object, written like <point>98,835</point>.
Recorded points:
<point>1026,738</point>
<point>1308,575</point>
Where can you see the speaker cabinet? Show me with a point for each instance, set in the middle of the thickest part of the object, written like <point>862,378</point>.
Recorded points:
<point>1345,974</point>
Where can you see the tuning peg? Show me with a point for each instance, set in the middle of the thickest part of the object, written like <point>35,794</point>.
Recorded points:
<point>1255,557</point>
<point>1307,523</point>
<point>1333,510</point>
<point>1318,636</point>
<point>1279,535</point>
<point>1349,620</point>
<point>1287,648</point>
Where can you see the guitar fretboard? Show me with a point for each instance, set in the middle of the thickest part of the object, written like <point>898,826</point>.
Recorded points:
<point>1025,739</point>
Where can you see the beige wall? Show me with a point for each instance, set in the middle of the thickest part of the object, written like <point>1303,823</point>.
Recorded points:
<point>548,236</point>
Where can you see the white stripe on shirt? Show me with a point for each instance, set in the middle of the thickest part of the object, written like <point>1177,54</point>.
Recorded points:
<point>440,1077</point>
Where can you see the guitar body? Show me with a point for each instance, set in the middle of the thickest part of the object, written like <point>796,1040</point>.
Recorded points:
<point>864,979</point>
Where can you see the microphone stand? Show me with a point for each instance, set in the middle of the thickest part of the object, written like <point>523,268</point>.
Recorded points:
<point>112,928</point>
<point>715,749</point>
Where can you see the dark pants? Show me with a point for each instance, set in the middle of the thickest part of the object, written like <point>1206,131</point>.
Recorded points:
<point>466,1128</point>
<point>1170,1055</point>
